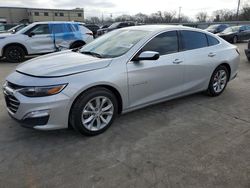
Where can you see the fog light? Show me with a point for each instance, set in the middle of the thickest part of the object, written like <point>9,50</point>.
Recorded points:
<point>37,114</point>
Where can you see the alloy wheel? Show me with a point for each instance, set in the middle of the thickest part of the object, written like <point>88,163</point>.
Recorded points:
<point>220,81</point>
<point>97,113</point>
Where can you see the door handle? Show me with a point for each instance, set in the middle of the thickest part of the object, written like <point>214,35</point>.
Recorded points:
<point>177,61</point>
<point>211,54</point>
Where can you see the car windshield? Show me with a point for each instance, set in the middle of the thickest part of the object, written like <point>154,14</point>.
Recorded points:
<point>232,29</point>
<point>114,25</point>
<point>16,28</point>
<point>212,26</point>
<point>114,44</point>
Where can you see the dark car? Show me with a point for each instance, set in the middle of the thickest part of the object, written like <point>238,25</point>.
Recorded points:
<point>14,29</point>
<point>92,27</point>
<point>104,26</point>
<point>217,28</point>
<point>247,51</point>
<point>236,33</point>
<point>114,26</point>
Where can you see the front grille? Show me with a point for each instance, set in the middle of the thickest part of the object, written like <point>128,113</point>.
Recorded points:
<point>12,102</point>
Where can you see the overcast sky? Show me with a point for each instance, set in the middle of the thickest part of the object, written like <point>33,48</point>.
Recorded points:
<point>118,7</point>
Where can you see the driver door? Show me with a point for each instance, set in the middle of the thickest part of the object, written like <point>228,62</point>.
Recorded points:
<point>152,80</point>
<point>40,40</point>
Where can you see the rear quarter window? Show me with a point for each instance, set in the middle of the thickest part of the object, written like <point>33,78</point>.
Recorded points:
<point>193,40</point>
<point>212,41</point>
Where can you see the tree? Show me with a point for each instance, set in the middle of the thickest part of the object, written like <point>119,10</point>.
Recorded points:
<point>245,13</point>
<point>169,16</point>
<point>223,15</point>
<point>141,18</point>
<point>202,16</point>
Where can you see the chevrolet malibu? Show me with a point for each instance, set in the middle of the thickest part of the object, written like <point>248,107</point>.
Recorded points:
<point>124,70</point>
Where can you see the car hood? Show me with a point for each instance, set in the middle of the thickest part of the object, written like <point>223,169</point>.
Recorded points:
<point>210,30</point>
<point>62,64</point>
<point>5,34</point>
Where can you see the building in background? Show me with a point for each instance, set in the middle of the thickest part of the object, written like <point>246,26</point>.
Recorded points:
<point>15,15</point>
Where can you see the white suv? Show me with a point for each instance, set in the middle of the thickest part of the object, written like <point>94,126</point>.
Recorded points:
<point>43,37</point>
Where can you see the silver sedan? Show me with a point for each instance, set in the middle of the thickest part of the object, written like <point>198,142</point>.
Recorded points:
<point>123,70</point>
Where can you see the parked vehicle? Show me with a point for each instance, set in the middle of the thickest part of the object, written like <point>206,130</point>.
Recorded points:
<point>104,26</point>
<point>114,26</point>
<point>236,33</point>
<point>247,51</point>
<point>15,28</point>
<point>217,28</point>
<point>43,37</point>
<point>121,71</point>
<point>92,27</point>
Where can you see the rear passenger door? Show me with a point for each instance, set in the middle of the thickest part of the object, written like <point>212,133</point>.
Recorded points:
<point>199,59</point>
<point>64,34</point>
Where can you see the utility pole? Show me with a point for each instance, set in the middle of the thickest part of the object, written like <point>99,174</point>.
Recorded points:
<point>179,14</point>
<point>238,10</point>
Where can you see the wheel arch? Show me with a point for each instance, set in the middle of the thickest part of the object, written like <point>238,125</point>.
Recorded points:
<point>15,44</point>
<point>228,68</point>
<point>114,90</point>
<point>75,42</point>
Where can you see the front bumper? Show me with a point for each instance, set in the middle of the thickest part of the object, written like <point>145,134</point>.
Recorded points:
<point>43,113</point>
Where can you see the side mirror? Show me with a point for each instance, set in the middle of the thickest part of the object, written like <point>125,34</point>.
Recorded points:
<point>147,55</point>
<point>31,34</point>
<point>241,30</point>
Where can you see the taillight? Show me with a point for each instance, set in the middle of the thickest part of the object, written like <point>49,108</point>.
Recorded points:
<point>238,50</point>
<point>89,34</point>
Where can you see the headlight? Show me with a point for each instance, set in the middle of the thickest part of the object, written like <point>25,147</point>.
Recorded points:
<point>42,91</point>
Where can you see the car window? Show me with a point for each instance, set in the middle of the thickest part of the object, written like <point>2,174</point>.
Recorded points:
<point>164,43</point>
<point>212,41</point>
<point>123,25</point>
<point>193,40</point>
<point>64,28</point>
<point>42,29</point>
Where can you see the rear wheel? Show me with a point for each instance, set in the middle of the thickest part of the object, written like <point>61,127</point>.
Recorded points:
<point>94,111</point>
<point>14,54</point>
<point>218,81</point>
<point>235,39</point>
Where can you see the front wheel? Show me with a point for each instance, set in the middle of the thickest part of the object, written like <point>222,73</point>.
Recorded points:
<point>14,54</point>
<point>218,81</point>
<point>94,111</point>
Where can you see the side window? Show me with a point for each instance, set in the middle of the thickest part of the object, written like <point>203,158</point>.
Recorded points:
<point>164,43</point>
<point>192,40</point>
<point>123,25</point>
<point>63,28</point>
<point>42,29</point>
<point>212,41</point>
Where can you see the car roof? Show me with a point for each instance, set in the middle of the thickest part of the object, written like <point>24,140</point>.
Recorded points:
<point>57,22</point>
<point>155,28</point>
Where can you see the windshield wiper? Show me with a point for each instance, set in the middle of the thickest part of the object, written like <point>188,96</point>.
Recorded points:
<point>92,53</point>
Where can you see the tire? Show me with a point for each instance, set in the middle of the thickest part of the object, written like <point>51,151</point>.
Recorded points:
<point>218,82</point>
<point>248,58</point>
<point>14,54</point>
<point>89,120</point>
<point>235,40</point>
<point>77,45</point>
